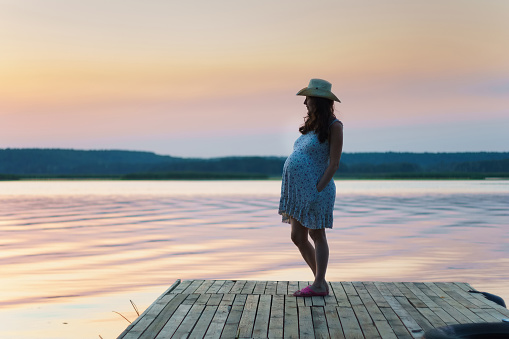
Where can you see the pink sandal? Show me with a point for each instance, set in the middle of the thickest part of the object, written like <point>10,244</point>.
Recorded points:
<point>308,292</point>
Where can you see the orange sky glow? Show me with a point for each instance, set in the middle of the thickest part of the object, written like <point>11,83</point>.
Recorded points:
<point>203,78</point>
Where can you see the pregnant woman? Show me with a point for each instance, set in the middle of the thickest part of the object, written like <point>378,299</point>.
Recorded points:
<point>308,190</point>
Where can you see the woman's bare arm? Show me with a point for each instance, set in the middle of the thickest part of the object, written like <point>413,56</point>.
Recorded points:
<point>336,148</point>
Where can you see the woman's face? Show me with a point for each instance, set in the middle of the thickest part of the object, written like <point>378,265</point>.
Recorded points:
<point>309,103</point>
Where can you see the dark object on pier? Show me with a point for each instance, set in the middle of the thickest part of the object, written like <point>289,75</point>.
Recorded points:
<point>499,330</point>
<point>492,297</point>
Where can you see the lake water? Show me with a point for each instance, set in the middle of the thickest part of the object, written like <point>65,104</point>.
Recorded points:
<point>72,252</point>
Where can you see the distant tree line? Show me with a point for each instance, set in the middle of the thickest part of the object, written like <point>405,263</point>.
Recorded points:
<point>9,177</point>
<point>398,167</point>
<point>64,163</point>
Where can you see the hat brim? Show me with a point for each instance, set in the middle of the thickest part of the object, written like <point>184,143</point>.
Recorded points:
<point>312,92</point>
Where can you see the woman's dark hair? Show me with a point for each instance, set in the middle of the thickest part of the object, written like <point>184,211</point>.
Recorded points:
<point>317,120</point>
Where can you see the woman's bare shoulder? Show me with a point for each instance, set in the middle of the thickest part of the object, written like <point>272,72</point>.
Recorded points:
<point>336,125</point>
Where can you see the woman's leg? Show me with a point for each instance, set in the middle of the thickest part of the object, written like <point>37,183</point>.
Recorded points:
<point>301,240</point>
<point>322,258</point>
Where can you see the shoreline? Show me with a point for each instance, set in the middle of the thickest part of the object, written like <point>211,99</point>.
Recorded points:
<point>246,178</point>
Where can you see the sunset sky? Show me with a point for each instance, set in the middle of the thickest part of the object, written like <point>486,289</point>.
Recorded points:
<point>203,78</point>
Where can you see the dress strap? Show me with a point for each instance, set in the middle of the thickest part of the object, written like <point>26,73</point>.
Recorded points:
<point>333,121</point>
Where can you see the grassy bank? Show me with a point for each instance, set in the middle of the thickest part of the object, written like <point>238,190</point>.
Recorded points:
<point>9,177</point>
<point>423,176</point>
<point>254,176</point>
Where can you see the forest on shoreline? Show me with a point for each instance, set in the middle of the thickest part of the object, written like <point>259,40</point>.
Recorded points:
<point>19,164</point>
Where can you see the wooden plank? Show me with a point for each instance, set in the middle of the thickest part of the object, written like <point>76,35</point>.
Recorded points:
<point>276,316</point>
<point>190,320</point>
<point>215,299</point>
<point>375,294</point>
<point>171,325</point>
<point>455,304</point>
<point>155,327</point>
<point>331,298</point>
<point>412,311</point>
<point>291,320</point>
<point>351,327</point>
<point>443,310</point>
<point>146,318</point>
<point>202,299</point>
<point>247,319</point>
<point>260,287</point>
<point>488,304</point>
<point>374,312</point>
<point>383,288</point>
<point>495,313</point>
<point>340,294</point>
<point>453,312</point>
<point>367,324</point>
<point>486,316</point>
<point>466,298</point>
<point>226,287</point>
<point>333,323</point>
<point>426,290</point>
<point>465,286</point>
<point>384,328</point>
<point>457,316</point>
<point>153,309</point>
<point>293,286</point>
<point>364,296</point>
<point>261,325</point>
<point>413,327</point>
<point>270,287</point>
<point>238,286</point>
<point>451,291</point>
<point>348,287</point>
<point>182,286</point>
<point>205,286</point>
<point>481,299</point>
<point>393,289</point>
<point>230,329</point>
<point>303,284</point>
<point>355,300</point>
<point>204,322</point>
<point>193,287</point>
<point>282,287</point>
<point>191,299</point>
<point>463,290</point>
<point>395,322</point>
<point>304,301</point>
<point>216,286</point>
<point>261,309</point>
<point>438,291</point>
<point>414,288</point>
<point>248,287</point>
<point>318,301</point>
<point>431,317</point>
<point>320,323</point>
<point>228,299</point>
<point>409,295</point>
<point>305,322</point>
<point>218,321</point>
<point>447,318</point>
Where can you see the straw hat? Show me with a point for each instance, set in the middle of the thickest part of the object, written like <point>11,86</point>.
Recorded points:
<point>319,88</point>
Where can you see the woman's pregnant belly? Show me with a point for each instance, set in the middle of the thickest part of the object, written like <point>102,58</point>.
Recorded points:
<point>301,176</point>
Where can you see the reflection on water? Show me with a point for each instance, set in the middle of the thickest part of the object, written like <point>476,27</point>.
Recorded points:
<point>73,252</point>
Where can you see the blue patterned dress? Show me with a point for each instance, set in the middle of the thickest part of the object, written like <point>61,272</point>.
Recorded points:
<point>301,173</point>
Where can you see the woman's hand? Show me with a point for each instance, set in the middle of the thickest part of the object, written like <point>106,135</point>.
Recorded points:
<point>335,149</point>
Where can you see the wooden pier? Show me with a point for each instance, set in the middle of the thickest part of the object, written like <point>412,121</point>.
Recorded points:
<point>267,309</point>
